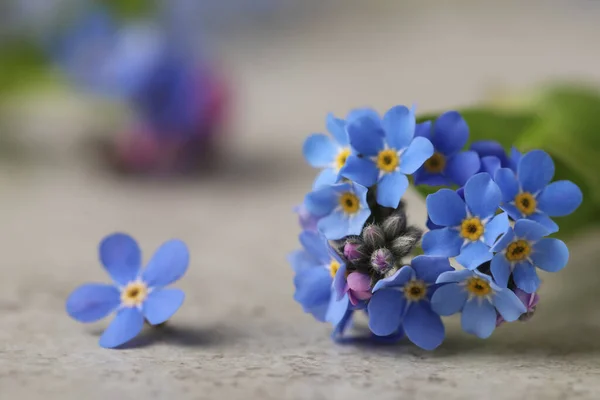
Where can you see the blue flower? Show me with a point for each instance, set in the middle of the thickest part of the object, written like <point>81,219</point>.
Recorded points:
<point>528,193</point>
<point>448,165</point>
<point>322,151</point>
<point>315,266</point>
<point>522,249</point>
<point>387,151</point>
<point>471,226</point>
<point>478,298</point>
<point>403,301</point>
<point>342,209</point>
<point>135,294</point>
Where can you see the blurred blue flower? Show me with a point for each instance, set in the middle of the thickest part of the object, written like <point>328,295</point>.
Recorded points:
<point>528,193</point>
<point>388,151</point>
<point>135,294</point>
<point>478,298</point>
<point>342,209</point>
<point>471,226</point>
<point>524,248</point>
<point>493,156</point>
<point>328,153</point>
<point>315,266</point>
<point>308,221</point>
<point>403,301</point>
<point>448,165</point>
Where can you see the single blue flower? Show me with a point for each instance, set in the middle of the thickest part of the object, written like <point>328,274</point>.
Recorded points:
<point>388,151</point>
<point>448,165</point>
<point>315,267</point>
<point>478,298</point>
<point>471,226</point>
<point>522,249</point>
<point>528,193</point>
<point>135,294</point>
<point>329,153</point>
<point>403,301</point>
<point>342,209</point>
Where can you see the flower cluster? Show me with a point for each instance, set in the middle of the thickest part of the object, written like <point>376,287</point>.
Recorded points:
<point>493,217</point>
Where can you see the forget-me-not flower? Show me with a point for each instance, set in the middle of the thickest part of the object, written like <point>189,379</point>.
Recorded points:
<point>522,249</point>
<point>403,300</point>
<point>342,209</point>
<point>528,193</point>
<point>448,165</point>
<point>478,298</point>
<point>387,152</point>
<point>471,226</point>
<point>136,294</point>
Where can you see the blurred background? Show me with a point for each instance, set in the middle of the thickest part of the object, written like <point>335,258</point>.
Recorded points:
<point>185,118</point>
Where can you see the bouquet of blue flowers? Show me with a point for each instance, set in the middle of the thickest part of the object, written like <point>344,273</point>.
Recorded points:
<point>488,210</point>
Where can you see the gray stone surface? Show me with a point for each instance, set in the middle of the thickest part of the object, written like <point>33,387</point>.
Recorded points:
<point>239,334</point>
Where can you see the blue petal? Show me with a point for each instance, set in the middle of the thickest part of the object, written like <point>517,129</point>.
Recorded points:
<point>327,177</point>
<point>462,166</point>
<point>482,195</point>
<point>399,125</point>
<point>454,276</point>
<point>339,281</point>
<point>322,201</point>
<point>550,254</point>
<point>366,135</point>
<point>363,113</point>
<point>162,305</point>
<point>422,177</point>
<point>526,278</point>
<point>401,276</point>
<point>504,241</point>
<point>515,158</point>
<point>337,128</point>
<point>490,148</point>
<point>92,302</point>
<point>167,265</point>
<point>444,242</point>
<point>301,260</point>
<point>535,171</point>
<point>507,182</point>
<point>560,198</point>
<point>391,188</point>
<point>512,211</point>
<point>423,327</point>
<point>448,299</point>
<point>491,165</point>
<point>495,228</point>
<point>419,151</point>
<point>479,319</point>
<point>508,305</point>
<point>450,133</point>
<point>500,268</point>
<point>474,254</point>
<point>319,150</point>
<point>316,245</point>
<point>337,309</point>
<point>313,287</point>
<point>121,257</point>
<point>446,208</point>
<point>530,230</point>
<point>545,221</point>
<point>431,226</point>
<point>337,225</point>
<point>318,312</point>
<point>429,268</point>
<point>424,130</point>
<point>338,329</point>
<point>360,170</point>
<point>386,308</point>
<point>127,324</point>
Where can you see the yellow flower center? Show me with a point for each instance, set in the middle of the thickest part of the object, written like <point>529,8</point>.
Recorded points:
<point>349,203</point>
<point>333,268</point>
<point>387,160</point>
<point>415,290</point>
<point>436,163</point>
<point>342,156</point>
<point>518,250</point>
<point>134,294</point>
<point>526,203</point>
<point>478,286</point>
<point>471,229</point>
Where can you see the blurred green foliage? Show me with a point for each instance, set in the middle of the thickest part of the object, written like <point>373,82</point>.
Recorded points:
<point>22,64</point>
<point>563,120</point>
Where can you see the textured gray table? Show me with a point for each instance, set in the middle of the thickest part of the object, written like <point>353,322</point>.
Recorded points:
<point>239,334</point>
